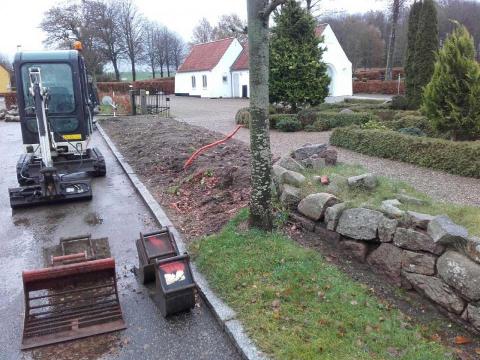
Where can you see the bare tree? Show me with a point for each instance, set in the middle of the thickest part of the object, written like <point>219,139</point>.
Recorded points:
<point>203,32</point>
<point>177,48</point>
<point>150,45</point>
<point>259,11</point>
<point>68,22</point>
<point>131,22</point>
<point>230,26</point>
<point>107,29</point>
<point>312,6</point>
<point>395,8</point>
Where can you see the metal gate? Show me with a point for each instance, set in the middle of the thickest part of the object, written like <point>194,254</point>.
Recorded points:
<point>150,102</point>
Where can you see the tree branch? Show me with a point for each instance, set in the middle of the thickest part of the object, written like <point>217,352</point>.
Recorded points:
<point>272,5</point>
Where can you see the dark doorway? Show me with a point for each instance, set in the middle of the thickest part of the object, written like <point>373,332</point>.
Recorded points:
<point>244,91</point>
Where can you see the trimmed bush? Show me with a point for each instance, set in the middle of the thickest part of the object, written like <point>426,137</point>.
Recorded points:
<point>288,123</point>
<point>276,118</point>
<point>460,158</point>
<point>307,116</point>
<point>411,121</point>
<point>243,117</point>
<point>413,131</point>
<point>399,102</point>
<point>335,120</point>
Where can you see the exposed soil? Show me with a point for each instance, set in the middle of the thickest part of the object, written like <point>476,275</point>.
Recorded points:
<point>203,198</point>
<point>200,199</point>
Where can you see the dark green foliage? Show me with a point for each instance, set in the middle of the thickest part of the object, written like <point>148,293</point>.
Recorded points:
<point>363,101</point>
<point>297,74</point>
<point>289,124</point>
<point>412,131</point>
<point>411,121</point>
<point>421,49</point>
<point>330,120</point>
<point>275,119</point>
<point>243,117</point>
<point>451,99</point>
<point>307,116</point>
<point>399,102</point>
<point>460,158</point>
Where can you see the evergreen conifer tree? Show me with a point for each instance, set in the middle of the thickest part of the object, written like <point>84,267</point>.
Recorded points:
<point>410,75</point>
<point>297,74</point>
<point>451,99</point>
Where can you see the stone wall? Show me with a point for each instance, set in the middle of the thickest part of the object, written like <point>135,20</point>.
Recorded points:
<point>428,254</point>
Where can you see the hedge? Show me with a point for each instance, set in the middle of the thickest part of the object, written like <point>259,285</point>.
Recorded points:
<point>10,98</point>
<point>378,87</point>
<point>459,158</point>
<point>331,120</point>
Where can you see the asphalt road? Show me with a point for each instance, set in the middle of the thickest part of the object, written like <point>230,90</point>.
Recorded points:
<point>117,212</point>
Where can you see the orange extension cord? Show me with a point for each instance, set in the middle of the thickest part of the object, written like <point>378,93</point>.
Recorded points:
<point>202,149</point>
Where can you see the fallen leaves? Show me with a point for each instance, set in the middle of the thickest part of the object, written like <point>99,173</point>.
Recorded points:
<point>462,340</point>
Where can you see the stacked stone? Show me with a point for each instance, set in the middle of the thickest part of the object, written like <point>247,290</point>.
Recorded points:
<point>10,115</point>
<point>430,254</point>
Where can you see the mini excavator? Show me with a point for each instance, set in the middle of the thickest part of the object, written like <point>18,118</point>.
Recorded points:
<point>56,101</point>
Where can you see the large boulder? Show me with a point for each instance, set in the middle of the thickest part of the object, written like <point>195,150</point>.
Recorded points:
<point>330,156</point>
<point>359,223</point>
<point>314,162</point>
<point>472,250</point>
<point>461,273</point>
<point>415,240</point>
<point>386,229</point>
<point>346,111</point>
<point>290,164</point>
<point>472,315</point>
<point>444,231</point>
<point>277,172</point>
<point>387,260</point>
<point>356,249</point>
<point>308,150</point>
<point>407,199</point>
<point>293,178</point>
<point>315,205</point>
<point>290,196</point>
<point>332,215</point>
<point>366,181</point>
<point>419,263</point>
<point>437,291</point>
<point>419,220</point>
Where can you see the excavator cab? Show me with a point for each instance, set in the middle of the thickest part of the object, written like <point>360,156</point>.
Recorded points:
<point>56,101</point>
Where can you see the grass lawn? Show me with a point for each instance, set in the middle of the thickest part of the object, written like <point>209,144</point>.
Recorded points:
<point>467,216</point>
<point>297,306</point>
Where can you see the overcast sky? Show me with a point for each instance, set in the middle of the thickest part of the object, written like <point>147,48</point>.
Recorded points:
<point>19,23</point>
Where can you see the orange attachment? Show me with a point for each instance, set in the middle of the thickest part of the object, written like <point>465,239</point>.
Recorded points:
<point>206,147</point>
<point>77,45</point>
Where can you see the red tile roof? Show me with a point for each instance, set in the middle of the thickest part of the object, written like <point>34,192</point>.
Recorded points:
<point>242,61</point>
<point>320,29</point>
<point>204,57</point>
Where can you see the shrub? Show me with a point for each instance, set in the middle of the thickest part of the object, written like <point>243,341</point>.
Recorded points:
<point>399,102</point>
<point>276,118</point>
<point>307,116</point>
<point>243,117</point>
<point>413,131</point>
<point>460,158</point>
<point>335,120</point>
<point>374,125</point>
<point>411,121</point>
<point>289,124</point>
<point>272,109</point>
<point>363,101</point>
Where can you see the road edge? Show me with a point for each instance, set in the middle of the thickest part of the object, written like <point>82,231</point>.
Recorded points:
<point>226,316</point>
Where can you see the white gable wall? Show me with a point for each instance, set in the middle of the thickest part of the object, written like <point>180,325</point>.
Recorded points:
<point>243,77</point>
<point>216,86</point>
<point>338,65</point>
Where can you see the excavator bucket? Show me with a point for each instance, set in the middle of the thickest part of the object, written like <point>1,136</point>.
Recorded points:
<point>73,300</point>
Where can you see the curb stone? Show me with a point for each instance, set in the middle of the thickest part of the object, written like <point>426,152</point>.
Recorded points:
<point>226,316</point>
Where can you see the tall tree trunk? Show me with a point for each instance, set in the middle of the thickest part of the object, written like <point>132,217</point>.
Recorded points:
<point>115,68</point>
<point>134,73</point>
<point>391,43</point>
<point>261,198</point>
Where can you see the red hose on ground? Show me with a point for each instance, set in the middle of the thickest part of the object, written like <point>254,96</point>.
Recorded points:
<point>202,149</point>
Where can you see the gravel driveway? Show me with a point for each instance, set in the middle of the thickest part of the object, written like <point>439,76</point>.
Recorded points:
<point>219,114</point>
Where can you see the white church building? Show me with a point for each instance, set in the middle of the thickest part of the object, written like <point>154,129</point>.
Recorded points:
<point>219,69</point>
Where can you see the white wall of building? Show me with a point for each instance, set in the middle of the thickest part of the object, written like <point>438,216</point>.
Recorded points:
<point>240,78</point>
<point>338,65</point>
<point>218,79</point>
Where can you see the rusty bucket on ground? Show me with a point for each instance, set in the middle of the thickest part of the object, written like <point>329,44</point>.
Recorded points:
<point>70,301</point>
<point>175,287</point>
<point>154,246</point>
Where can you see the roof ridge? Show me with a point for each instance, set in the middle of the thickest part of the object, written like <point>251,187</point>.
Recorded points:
<point>212,41</point>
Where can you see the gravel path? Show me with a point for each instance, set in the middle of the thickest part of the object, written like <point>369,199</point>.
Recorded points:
<point>218,115</point>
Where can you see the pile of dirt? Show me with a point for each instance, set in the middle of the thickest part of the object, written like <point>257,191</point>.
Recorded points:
<point>200,199</point>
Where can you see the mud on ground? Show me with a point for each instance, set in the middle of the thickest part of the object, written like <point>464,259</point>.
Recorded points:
<point>200,199</point>
<point>203,198</point>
